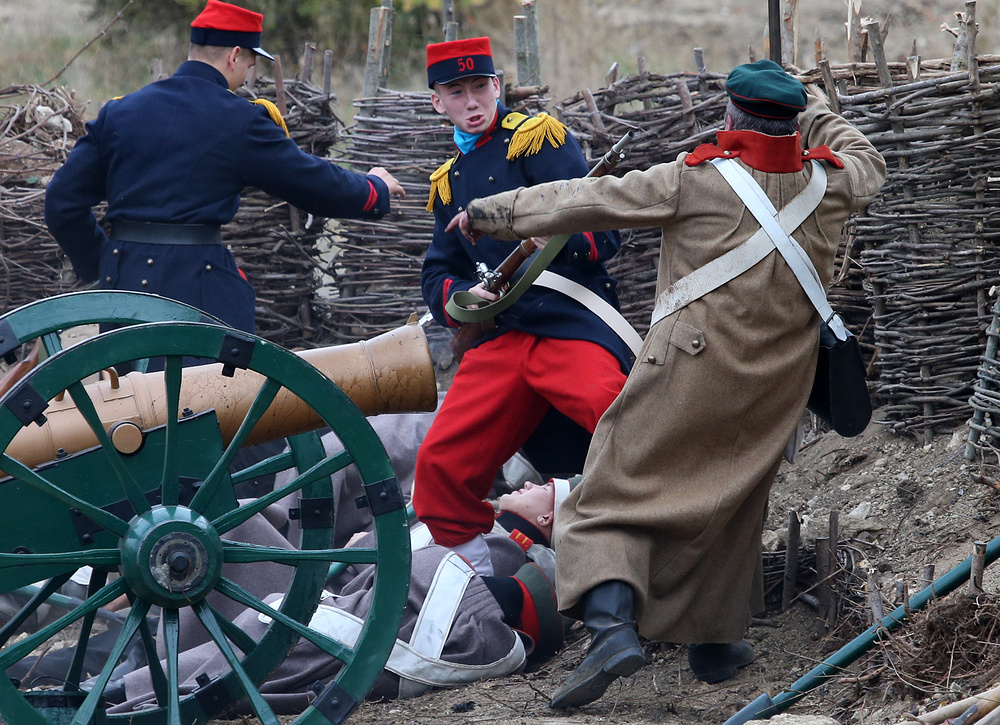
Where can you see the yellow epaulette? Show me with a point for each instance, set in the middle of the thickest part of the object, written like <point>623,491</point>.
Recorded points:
<point>274,113</point>
<point>532,133</point>
<point>440,185</point>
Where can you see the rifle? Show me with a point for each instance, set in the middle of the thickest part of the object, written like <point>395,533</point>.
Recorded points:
<point>496,280</point>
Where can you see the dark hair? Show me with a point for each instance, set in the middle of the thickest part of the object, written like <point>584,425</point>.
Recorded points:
<point>214,53</point>
<point>743,121</point>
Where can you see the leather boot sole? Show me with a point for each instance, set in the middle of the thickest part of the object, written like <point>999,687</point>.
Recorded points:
<point>589,686</point>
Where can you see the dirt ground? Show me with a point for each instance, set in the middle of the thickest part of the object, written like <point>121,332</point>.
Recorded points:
<point>901,505</point>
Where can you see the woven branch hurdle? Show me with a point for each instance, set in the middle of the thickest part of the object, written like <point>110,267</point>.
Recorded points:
<point>912,276</point>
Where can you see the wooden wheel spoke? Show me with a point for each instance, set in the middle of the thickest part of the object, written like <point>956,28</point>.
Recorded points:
<point>93,700</point>
<point>96,514</point>
<point>208,618</point>
<point>93,557</point>
<point>236,552</point>
<point>22,649</point>
<point>265,396</point>
<point>172,381</point>
<point>326,467</point>
<point>128,483</point>
<point>329,645</point>
<point>171,642</point>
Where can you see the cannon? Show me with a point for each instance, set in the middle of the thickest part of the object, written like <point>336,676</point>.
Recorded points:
<point>133,475</point>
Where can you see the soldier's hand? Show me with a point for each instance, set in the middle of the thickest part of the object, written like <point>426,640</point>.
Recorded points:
<point>395,188</point>
<point>540,242</point>
<point>461,220</point>
<point>480,291</point>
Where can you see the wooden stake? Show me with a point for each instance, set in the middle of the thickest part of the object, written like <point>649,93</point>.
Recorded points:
<point>973,53</point>
<point>279,100</point>
<point>927,578</point>
<point>874,598</point>
<point>327,73</point>
<point>830,86</point>
<point>532,46</point>
<point>978,564</point>
<point>647,104</point>
<point>834,569</point>
<point>612,75</point>
<point>595,114</point>
<point>377,63</point>
<point>854,31</point>
<point>307,61</point>
<point>823,577</point>
<point>791,561</point>
<point>789,32</point>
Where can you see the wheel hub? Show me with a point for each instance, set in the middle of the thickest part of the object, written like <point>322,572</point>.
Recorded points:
<point>172,556</point>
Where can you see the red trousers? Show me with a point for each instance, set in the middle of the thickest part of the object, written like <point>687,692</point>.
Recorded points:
<point>501,391</point>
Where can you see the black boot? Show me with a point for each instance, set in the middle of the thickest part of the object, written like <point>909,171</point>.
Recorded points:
<point>614,645</point>
<point>718,662</point>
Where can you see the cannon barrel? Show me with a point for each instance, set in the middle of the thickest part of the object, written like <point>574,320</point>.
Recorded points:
<point>391,373</point>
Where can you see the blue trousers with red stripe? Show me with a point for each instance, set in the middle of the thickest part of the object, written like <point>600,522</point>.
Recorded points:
<point>502,390</point>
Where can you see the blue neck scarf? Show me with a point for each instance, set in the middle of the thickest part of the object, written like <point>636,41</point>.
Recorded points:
<point>466,141</point>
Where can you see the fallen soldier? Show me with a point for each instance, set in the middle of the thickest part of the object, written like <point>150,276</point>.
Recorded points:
<point>471,628</point>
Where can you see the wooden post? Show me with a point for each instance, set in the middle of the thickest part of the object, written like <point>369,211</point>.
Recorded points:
<point>833,611</point>
<point>327,73</point>
<point>774,30</point>
<point>612,75</point>
<point>307,62</point>
<point>521,49</point>
<point>972,33</point>
<point>830,84</point>
<point>295,224</point>
<point>450,24</point>
<point>595,113</point>
<point>789,32</point>
<point>647,104</point>
<point>526,45</point>
<point>976,570</point>
<point>823,578</point>
<point>377,62</point>
<point>791,562</point>
<point>874,598</point>
<point>534,42</point>
<point>854,31</point>
<point>927,577</point>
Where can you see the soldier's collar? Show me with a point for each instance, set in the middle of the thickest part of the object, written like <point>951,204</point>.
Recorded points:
<point>511,521</point>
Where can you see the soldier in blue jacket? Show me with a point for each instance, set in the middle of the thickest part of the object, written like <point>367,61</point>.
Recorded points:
<point>548,350</point>
<point>171,160</point>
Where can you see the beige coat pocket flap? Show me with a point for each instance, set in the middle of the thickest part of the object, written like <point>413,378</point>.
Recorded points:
<point>689,339</point>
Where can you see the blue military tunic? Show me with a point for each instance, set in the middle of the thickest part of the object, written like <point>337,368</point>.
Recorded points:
<point>450,262</point>
<point>180,151</point>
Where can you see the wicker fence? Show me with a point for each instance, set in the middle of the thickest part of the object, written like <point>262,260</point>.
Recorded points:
<point>914,272</point>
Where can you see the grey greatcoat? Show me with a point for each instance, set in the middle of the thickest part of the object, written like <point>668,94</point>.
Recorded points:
<point>677,478</point>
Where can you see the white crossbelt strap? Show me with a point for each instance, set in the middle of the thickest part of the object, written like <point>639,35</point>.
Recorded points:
<point>736,261</point>
<point>763,210</point>
<point>593,302</point>
<point>420,658</point>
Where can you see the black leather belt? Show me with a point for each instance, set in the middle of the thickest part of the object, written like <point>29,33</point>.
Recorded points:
<point>159,233</point>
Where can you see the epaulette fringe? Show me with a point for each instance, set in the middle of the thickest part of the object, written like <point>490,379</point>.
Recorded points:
<point>274,113</point>
<point>533,133</point>
<point>440,185</point>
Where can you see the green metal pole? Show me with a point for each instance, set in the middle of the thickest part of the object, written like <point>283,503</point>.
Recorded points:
<point>764,707</point>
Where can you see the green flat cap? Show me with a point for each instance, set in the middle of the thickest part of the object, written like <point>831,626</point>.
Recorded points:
<point>765,89</point>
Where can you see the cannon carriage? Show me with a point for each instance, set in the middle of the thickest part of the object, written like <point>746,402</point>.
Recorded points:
<point>134,475</point>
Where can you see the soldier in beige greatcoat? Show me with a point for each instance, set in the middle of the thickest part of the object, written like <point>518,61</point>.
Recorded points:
<point>664,529</point>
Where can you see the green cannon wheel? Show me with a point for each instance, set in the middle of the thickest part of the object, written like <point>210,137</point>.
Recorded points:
<point>45,318</point>
<point>158,514</point>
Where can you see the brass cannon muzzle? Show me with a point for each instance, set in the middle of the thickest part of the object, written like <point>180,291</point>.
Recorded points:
<point>391,373</point>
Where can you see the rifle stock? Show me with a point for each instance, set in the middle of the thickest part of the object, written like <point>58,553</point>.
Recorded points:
<point>497,280</point>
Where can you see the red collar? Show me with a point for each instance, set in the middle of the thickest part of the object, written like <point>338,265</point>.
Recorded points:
<point>488,133</point>
<point>770,154</point>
